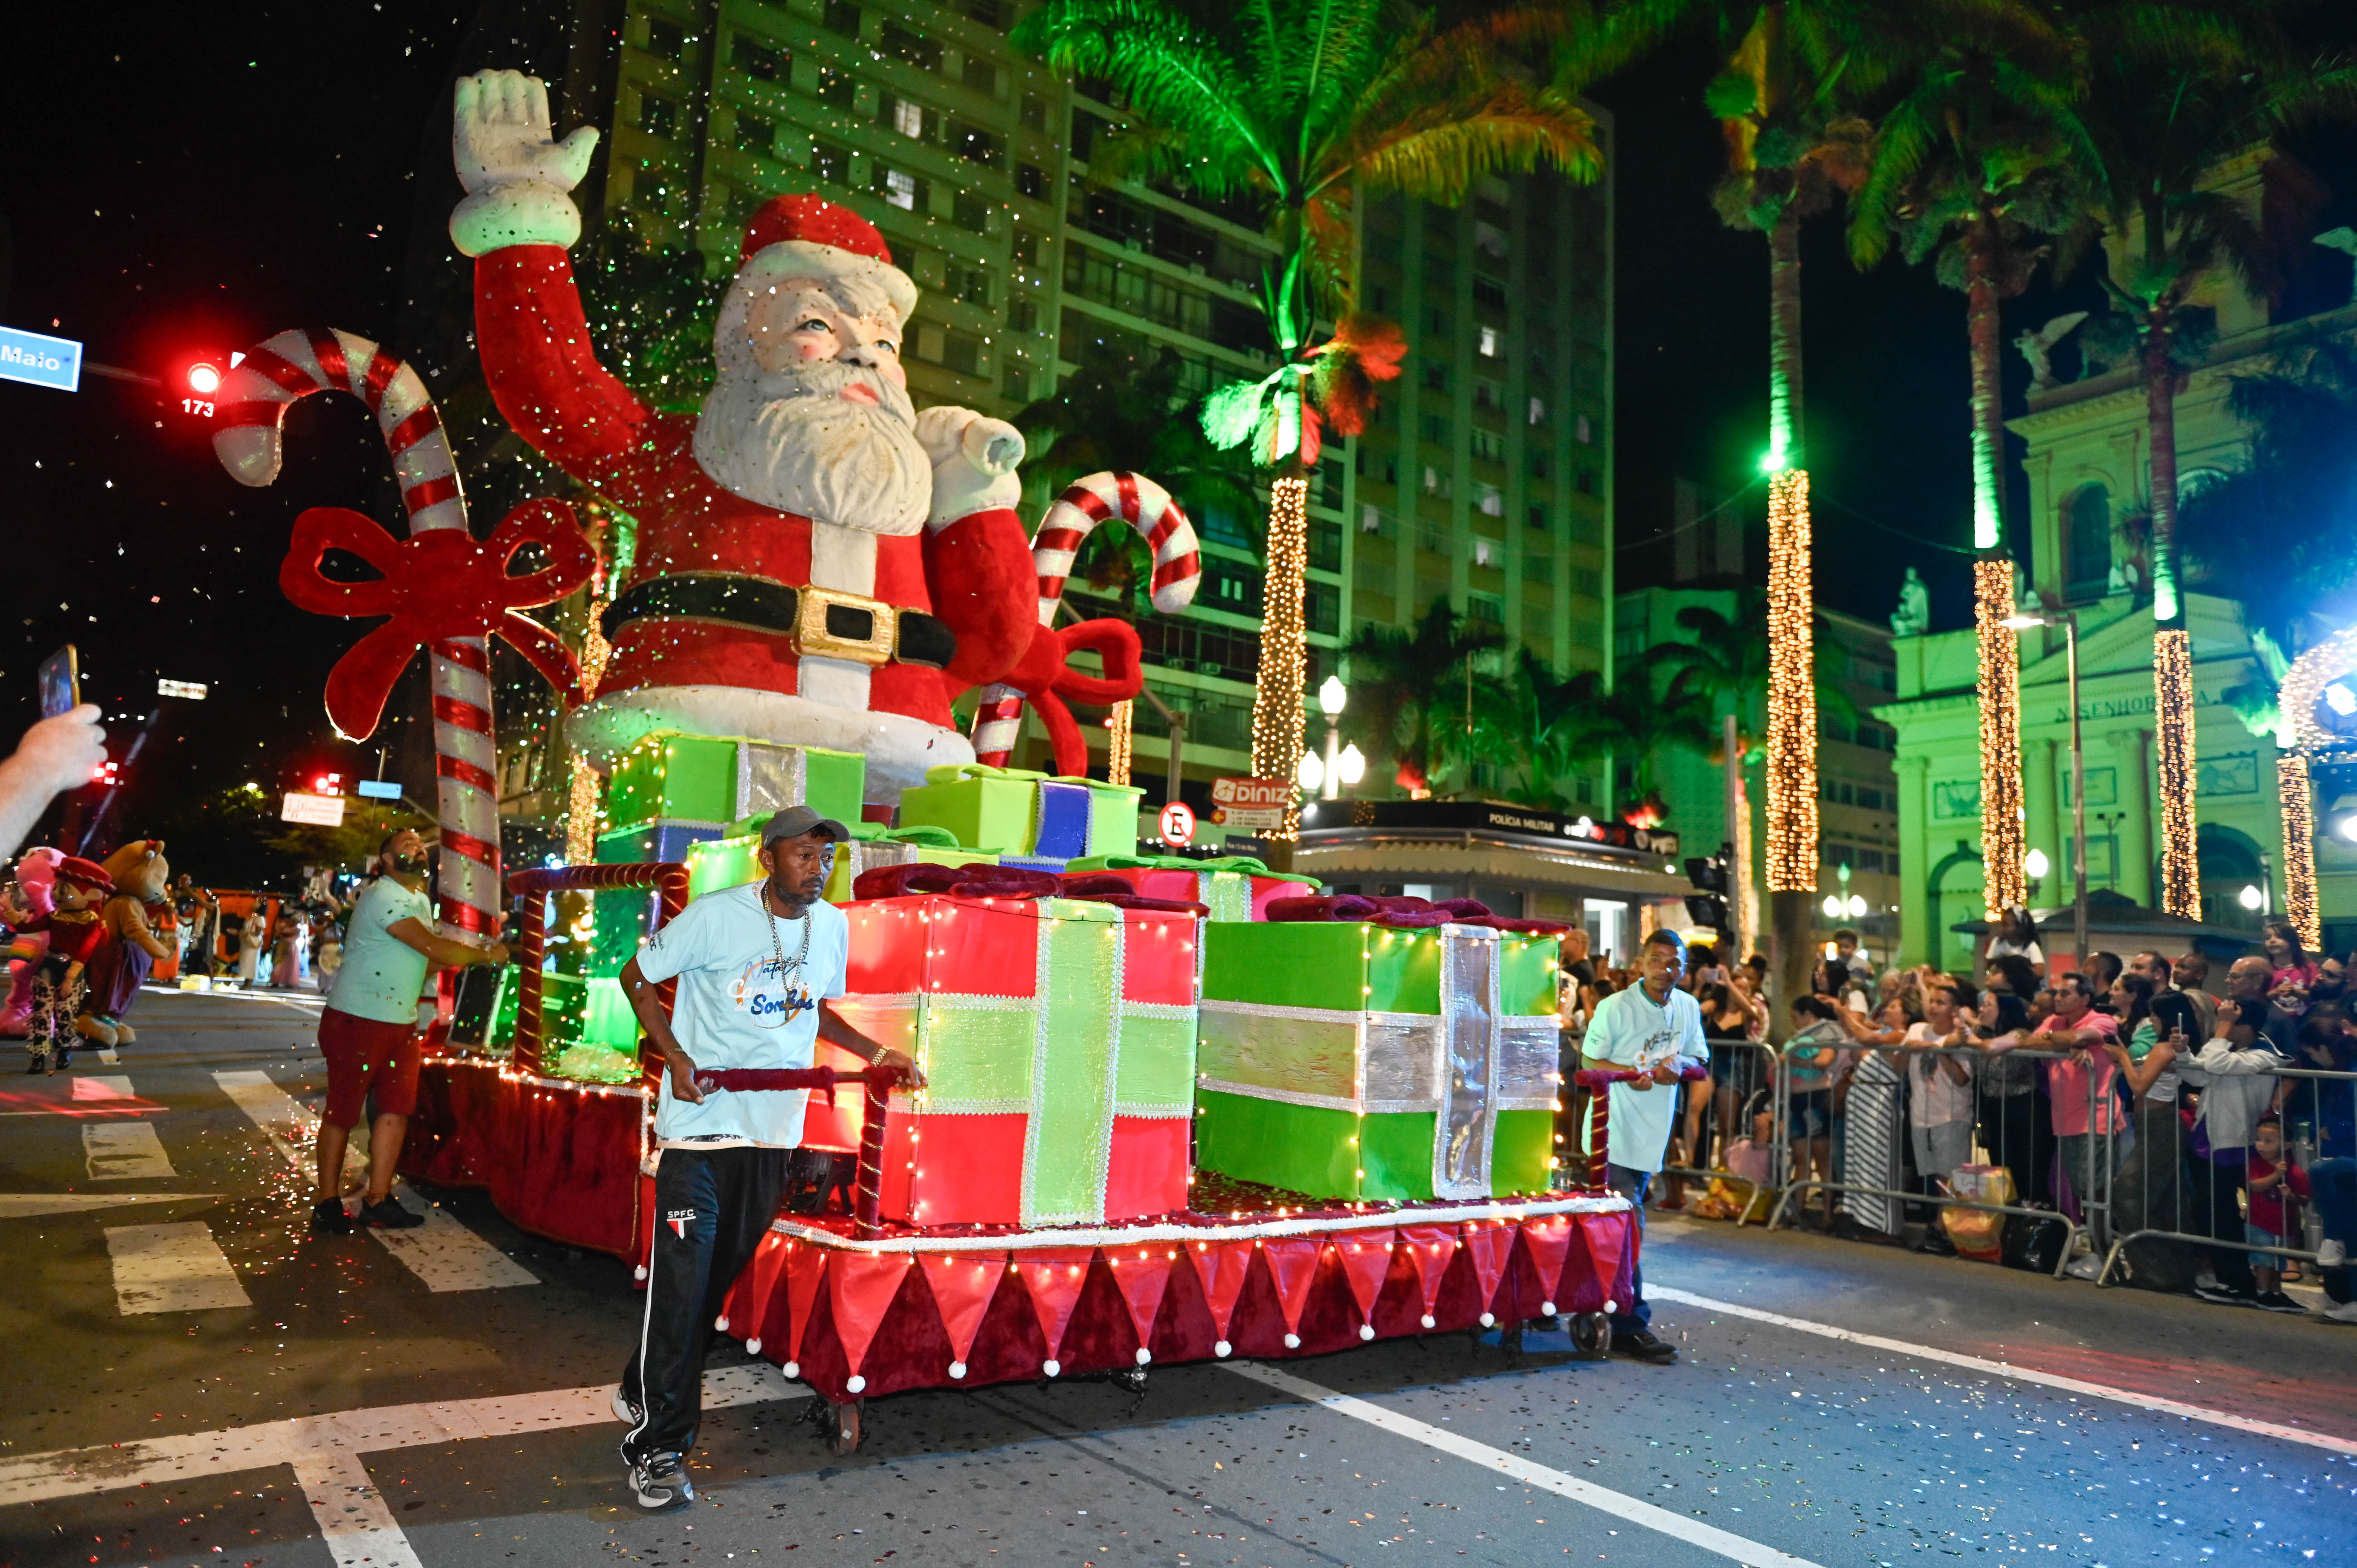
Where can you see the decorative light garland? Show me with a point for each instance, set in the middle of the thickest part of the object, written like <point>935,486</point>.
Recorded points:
<point>1119,724</point>
<point>1276,721</point>
<point>2172,691</point>
<point>2299,848</point>
<point>2003,880</point>
<point>1791,690</point>
<point>581,809</point>
<point>2303,687</point>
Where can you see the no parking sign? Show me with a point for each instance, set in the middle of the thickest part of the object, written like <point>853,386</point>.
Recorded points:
<point>1178,824</point>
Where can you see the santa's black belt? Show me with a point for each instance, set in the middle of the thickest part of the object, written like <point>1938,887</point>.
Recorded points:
<point>826,623</point>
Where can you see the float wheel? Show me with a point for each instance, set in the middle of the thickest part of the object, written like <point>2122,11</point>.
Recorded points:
<point>1591,1335</point>
<point>845,1441</point>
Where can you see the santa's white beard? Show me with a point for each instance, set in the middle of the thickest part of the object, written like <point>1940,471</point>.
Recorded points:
<point>789,439</point>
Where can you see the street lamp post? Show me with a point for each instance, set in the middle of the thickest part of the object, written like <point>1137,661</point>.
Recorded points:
<point>2068,621</point>
<point>1331,696</point>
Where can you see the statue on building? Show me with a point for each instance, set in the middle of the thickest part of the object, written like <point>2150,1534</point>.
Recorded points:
<point>2037,347</point>
<point>2025,597</point>
<point>1914,615</point>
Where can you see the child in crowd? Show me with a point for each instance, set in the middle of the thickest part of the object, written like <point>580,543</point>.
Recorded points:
<point>2276,1190</point>
<point>1812,1060</point>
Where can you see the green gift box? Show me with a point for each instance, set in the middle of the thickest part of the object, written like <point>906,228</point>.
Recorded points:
<point>734,862</point>
<point>726,779</point>
<point>1345,1060</point>
<point>1113,816</point>
<point>586,1028</point>
<point>995,808</point>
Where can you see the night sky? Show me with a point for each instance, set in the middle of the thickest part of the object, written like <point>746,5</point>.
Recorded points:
<point>189,181</point>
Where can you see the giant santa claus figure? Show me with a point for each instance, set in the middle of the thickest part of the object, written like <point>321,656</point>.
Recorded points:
<point>816,562</point>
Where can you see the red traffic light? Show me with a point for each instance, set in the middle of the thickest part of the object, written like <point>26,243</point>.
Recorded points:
<point>204,378</point>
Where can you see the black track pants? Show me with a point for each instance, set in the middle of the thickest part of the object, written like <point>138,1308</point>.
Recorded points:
<point>711,1209</point>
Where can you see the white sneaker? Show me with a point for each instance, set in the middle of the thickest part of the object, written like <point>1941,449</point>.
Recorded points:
<point>2085,1267</point>
<point>2345,1313</point>
<point>2332,1255</point>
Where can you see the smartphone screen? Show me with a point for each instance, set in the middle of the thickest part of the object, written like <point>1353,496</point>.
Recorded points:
<point>60,682</point>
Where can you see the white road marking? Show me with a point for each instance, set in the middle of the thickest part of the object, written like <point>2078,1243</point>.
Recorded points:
<point>442,1252</point>
<point>171,1268</point>
<point>324,1451</point>
<point>123,1150</point>
<point>106,1054</point>
<point>2012,1372</point>
<point>31,1205</point>
<point>102,1086</point>
<point>1692,1532</point>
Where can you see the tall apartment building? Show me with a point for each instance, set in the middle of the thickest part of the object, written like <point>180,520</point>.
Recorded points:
<point>1488,477</point>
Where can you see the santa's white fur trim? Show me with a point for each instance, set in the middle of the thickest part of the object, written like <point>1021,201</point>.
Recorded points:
<point>899,750</point>
<point>808,259</point>
<point>973,457</point>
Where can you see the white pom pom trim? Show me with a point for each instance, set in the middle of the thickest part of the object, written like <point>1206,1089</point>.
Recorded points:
<point>753,1345</point>
<point>1611,1308</point>
<point>1427,1320</point>
<point>639,1272</point>
<point>1366,1331</point>
<point>1292,1341</point>
<point>1221,1348</point>
<point>1051,1367</point>
<point>792,1368</point>
<point>721,1323</point>
<point>1144,1355</point>
<point>957,1369</point>
<point>1546,1309</point>
<point>1488,1321</point>
<point>855,1382</point>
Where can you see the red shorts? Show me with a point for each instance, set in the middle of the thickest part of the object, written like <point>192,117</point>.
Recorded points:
<point>363,1055</point>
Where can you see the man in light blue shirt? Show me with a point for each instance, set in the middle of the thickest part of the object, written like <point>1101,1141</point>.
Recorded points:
<point>1656,1029</point>
<point>758,967</point>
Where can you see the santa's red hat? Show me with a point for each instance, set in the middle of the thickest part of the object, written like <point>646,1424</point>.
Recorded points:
<point>810,237</point>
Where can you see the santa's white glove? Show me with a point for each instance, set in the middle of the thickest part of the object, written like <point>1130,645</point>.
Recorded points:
<point>975,458</point>
<point>515,172</point>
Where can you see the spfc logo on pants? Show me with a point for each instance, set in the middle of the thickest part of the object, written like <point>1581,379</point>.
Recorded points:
<point>678,1220</point>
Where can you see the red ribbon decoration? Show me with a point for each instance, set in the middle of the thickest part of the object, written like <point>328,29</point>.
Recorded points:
<point>436,585</point>
<point>1046,680</point>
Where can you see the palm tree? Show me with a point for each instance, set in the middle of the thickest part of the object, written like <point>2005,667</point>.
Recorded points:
<point>1976,164</point>
<point>1300,106</point>
<point>1406,693</point>
<point>2167,105</point>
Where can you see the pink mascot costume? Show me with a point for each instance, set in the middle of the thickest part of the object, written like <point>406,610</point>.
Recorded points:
<point>36,869</point>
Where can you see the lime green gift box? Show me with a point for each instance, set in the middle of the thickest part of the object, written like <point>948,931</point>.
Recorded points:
<point>734,862</point>
<point>1353,1061</point>
<point>995,808</point>
<point>718,781</point>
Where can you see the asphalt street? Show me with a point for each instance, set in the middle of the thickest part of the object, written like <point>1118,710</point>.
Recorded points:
<point>196,1381</point>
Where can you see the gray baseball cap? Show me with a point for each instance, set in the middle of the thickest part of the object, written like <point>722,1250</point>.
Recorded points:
<point>795,821</point>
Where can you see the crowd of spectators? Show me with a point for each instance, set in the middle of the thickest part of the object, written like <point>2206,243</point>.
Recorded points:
<point>2129,1097</point>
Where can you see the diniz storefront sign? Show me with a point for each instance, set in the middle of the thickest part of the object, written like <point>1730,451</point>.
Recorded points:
<point>1252,804</point>
<point>1484,817</point>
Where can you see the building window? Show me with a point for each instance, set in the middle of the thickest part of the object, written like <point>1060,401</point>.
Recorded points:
<point>1580,428</point>
<point>1436,376</point>
<point>1538,410</point>
<point>1535,516</point>
<point>836,89</point>
<point>830,163</point>
<point>962,352</point>
<point>1539,570</point>
<point>1489,292</point>
<point>968,285</point>
<point>1436,483</point>
<point>756,135</point>
<point>973,144</point>
<point>841,17</point>
<point>657,116</point>
<point>665,40</point>
<point>1023,316</point>
<point>1591,483</point>
<point>1486,607</point>
<point>1436,428</point>
<point>757,60</point>
<point>1435,321</point>
<point>1489,342</point>
<point>1487,552</point>
<point>1490,240</point>
<point>1488,446</point>
<point>1539,465</point>
<point>901,189</point>
<point>1034,112</point>
<point>1490,396</point>
<point>909,119</point>
<point>1587,580</point>
<point>980,76</point>
<point>991,13</point>
<point>1031,180</point>
<point>1371,519</point>
<point>972,213</point>
<point>2088,549</point>
<point>915,47</point>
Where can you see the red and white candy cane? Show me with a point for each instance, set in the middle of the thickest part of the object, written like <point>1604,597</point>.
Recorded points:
<point>253,399</point>
<point>1178,572</point>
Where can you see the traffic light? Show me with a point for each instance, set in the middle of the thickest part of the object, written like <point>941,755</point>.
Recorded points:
<point>199,383</point>
<point>1707,906</point>
<point>107,774</point>
<point>328,784</point>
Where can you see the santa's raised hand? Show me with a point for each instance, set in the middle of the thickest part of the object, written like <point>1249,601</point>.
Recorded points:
<point>515,172</point>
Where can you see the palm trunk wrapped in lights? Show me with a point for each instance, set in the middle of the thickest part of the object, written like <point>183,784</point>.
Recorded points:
<point>1119,730</point>
<point>2298,799</point>
<point>1276,721</point>
<point>2000,702</point>
<point>1791,692</point>
<point>2172,691</point>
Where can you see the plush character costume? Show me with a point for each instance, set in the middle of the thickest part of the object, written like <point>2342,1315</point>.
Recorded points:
<point>75,931</point>
<point>25,899</point>
<point>131,944</point>
<point>899,575</point>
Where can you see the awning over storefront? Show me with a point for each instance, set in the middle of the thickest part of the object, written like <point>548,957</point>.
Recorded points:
<point>1481,843</point>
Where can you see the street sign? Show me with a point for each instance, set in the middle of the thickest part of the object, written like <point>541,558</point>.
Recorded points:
<point>194,691</point>
<point>1251,804</point>
<point>379,788</point>
<point>312,811</point>
<point>1178,824</point>
<point>38,360</point>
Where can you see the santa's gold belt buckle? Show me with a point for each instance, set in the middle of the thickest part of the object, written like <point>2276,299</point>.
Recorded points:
<point>829,624</point>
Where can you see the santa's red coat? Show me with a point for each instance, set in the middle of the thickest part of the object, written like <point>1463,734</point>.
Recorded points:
<point>974,574</point>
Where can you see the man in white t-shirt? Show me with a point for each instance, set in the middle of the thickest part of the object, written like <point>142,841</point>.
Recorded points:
<point>1940,1100</point>
<point>1657,1028</point>
<point>758,967</point>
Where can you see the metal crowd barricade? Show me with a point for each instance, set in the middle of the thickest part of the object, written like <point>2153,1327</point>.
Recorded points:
<point>2021,1140</point>
<point>1740,1091</point>
<point>2165,1154</point>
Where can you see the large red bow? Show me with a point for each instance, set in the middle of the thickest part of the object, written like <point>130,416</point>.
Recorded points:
<point>1046,680</point>
<point>436,585</point>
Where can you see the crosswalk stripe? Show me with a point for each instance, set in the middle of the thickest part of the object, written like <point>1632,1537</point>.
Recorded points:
<point>123,1150</point>
<point>171,1268</point>
<point>33,1205</point>
<point>443,1254</point>
<point>101,1086</point>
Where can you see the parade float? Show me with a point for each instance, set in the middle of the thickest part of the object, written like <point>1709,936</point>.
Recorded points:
<point>1175,1108</point>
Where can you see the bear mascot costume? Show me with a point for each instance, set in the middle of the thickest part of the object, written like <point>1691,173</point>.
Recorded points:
<point>131,945</point>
